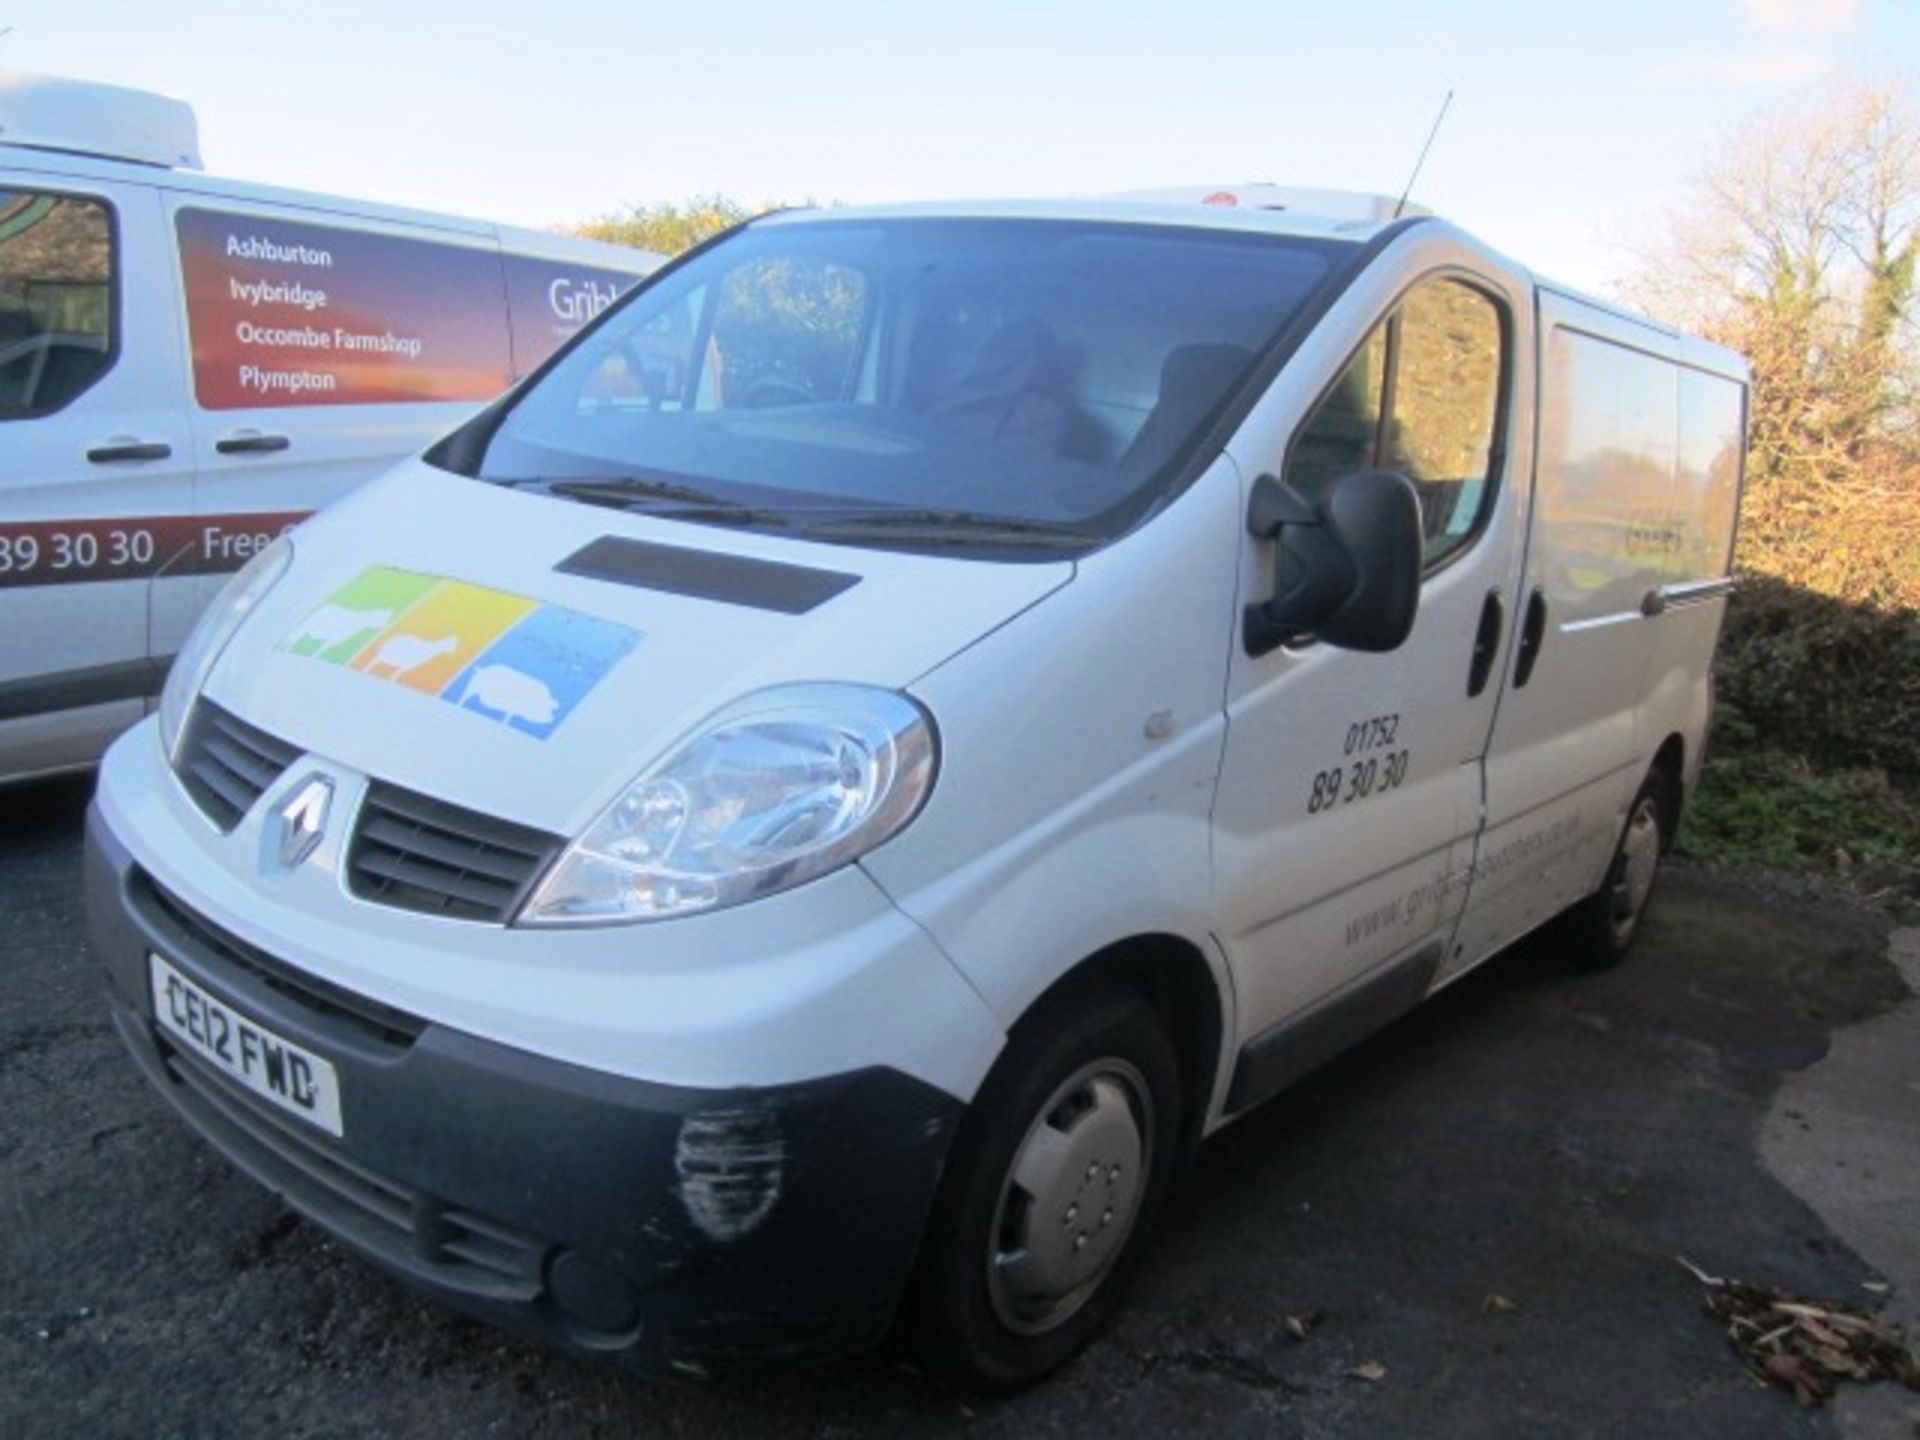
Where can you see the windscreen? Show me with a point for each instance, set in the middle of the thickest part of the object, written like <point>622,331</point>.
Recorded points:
<point>912,381</point>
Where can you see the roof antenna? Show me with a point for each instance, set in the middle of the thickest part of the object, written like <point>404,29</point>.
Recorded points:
<point>1423,155</point>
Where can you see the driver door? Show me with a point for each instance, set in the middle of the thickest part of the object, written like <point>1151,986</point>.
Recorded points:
<point>1351,786</point>
<point>96,480</point>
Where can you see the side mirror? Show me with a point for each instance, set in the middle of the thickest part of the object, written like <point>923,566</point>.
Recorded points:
<point>1356,563</point>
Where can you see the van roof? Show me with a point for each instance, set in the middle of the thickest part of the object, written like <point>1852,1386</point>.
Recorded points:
<point>84,117</point>
<point>1188,215</point>
<point>1295,199</point>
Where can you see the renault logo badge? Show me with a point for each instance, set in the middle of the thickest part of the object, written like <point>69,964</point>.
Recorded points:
<point>303,820</point>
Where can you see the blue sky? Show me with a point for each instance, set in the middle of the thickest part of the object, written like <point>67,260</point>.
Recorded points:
<point>1572,129</point>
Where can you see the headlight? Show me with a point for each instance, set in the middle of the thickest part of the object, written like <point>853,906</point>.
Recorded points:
<point>229,610</point>
<point>775,791</point>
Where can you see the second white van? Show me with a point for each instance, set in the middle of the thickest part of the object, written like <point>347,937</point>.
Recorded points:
<point>189,366</point>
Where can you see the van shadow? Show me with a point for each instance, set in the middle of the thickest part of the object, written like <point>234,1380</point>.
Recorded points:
<point>41,813</point>
<point>1538,1132</point>
<point>1488,1194</point>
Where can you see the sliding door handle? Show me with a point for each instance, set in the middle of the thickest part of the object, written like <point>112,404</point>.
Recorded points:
<point>1533,632</point>
<point>251,442</point>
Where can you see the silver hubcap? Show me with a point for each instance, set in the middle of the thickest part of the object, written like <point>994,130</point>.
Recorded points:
<point>1633,876</point>
<point>1070,1197</point>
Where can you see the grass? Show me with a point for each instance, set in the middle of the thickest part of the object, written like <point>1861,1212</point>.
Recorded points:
<point>1770,807</point>
<point>1814,761</point>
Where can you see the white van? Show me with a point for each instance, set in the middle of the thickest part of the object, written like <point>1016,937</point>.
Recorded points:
<point>189,366</point>
<point>703,870</point>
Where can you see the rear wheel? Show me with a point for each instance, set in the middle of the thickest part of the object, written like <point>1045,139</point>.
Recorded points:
<point>1055,1176</point>
<point>1606,923</point>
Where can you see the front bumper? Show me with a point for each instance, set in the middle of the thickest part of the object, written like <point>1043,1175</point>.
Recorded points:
<point>679,1227</point>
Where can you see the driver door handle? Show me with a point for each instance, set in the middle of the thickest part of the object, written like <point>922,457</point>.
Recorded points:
<point>1486,641</point>
<point>125,447</point>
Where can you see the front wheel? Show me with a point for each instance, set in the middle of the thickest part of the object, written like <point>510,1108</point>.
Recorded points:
<point>1056,1173</point>
<point>1608,920</point>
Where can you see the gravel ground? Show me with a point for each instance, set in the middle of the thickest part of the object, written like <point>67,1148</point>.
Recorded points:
<point>1536,1134</point>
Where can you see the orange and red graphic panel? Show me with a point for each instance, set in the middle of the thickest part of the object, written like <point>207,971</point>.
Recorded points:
<point>284,312</point>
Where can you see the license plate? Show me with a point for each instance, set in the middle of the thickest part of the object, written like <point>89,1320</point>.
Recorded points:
<point>277,1070</point>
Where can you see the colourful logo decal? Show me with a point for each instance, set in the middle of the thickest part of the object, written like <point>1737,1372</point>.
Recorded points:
<point>543,667</point>
<point>438,635</point>
<point>508,658</point>
<point>358,611</point>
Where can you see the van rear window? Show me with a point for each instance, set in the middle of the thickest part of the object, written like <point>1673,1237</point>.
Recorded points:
<point>56,299</point>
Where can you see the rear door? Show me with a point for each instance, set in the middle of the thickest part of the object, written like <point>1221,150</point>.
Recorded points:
<point>1567,754</point>
<point>96,485</point>
<point>324,347</point>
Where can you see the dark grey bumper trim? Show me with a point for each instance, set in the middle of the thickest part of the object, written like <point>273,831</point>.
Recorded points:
<point>670,1226</point>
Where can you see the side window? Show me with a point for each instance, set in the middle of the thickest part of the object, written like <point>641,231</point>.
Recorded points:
<point>1712,445</point>
<point>1446,397</point>
<point>1343,435</point>
<point>56,299</point>
<point>1422,396</point>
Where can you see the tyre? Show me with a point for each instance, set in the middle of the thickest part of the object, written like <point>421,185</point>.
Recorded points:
<point>1606,922</point>
<point>1056,1174</point>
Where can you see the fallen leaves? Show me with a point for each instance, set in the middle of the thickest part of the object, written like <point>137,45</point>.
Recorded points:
<point>1300,1325</point>
<point>1806,1347</point>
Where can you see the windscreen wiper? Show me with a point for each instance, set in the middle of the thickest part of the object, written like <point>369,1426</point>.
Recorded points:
<point>962,527</point>
<point>614,487</point>
<point>666,499</point>
<point>629,490</point>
